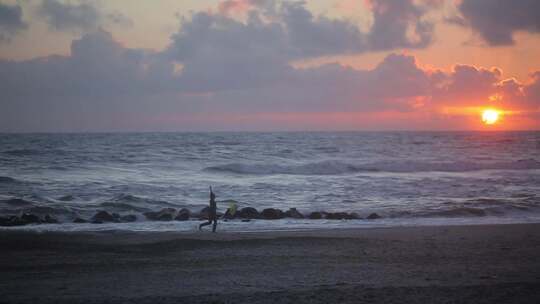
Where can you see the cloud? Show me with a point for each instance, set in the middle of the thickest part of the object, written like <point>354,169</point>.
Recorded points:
<point>290,31</point>
<point>496,21</point>
<point>214,46</point>
<point>79,17</point>
<point>220,66</point>
<point>398,24</point>
<point>103,84</point>
<point>70,17</point>
<point>11,21</point>
<point>465,84</point>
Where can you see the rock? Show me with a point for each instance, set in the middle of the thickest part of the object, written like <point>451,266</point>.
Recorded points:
<point>165,214</point>
<point>354,216</point>
<point>183,215</point>
<point>29,218</point>
<point>315,215</point>
<point>128,218</point>
<point>49,219</point>
<point>272,214</point>
<point>248,213</point>
<point>79,220</point>
<point>165,217</point>
<point>292,212</point>
<point>203,214</point>
<point>116,216</point>
<point>246,220</point>
<point>373,216</point>
<point>102,217</point>
<point>11,221</point>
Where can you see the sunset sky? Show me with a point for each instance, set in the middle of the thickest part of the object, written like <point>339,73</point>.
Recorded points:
<point>257,65</point>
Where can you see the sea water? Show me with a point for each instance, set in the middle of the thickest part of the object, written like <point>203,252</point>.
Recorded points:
<point>408,178</point>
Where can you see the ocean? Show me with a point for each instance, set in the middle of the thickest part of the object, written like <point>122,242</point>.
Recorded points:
<point>408,178</point>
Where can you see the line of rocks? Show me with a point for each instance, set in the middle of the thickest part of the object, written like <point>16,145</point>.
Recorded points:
<point>25,219</point>
<point>170,214</point>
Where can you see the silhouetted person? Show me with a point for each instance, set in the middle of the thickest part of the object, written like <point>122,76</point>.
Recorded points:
<point>212,216</point>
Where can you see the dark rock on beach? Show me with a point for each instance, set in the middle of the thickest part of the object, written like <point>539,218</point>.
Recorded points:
<point>248,213</point>
<point>10,221</point>
<point>183,215</point>
<point>203,214</point>
<point>354,216</point>
<point>128,218</point>
<point>272,214</point>
<point>103,217</point>
<point>24,219</point>
<point>29,218</point>
<point>50,219</point>
<point>292,212</point>
<point>166,214</point>
<point>315,215</point>
<point>79,220</point>
<point>373,216</point>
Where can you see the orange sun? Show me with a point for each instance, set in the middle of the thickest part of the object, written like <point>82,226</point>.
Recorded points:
<point>490,116</point>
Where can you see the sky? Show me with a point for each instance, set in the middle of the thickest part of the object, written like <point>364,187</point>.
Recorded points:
<point>268,65</point>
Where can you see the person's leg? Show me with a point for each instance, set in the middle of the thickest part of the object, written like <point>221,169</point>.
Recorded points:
<point>215,225</point>
<point>205,224</point>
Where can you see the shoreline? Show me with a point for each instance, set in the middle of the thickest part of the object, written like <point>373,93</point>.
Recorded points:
<point>477,264</point>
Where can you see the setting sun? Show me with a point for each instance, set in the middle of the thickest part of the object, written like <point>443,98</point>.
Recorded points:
<point>490,116</point>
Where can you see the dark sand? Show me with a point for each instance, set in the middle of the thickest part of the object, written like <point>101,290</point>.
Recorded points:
<point>465,264</point>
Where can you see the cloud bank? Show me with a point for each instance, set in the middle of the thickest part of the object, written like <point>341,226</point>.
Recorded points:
<point>219,72</point>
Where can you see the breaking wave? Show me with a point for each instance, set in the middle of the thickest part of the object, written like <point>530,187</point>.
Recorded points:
<point>339,167</point>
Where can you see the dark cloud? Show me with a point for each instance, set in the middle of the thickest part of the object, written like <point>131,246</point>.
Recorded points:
<point>394,20</point>
<point>257,51</point>
<point>11,21</point>
<point>311,36</point>
<point>496,21</point>
<point>290,31</point>
<point>466,84</point>
<point>79,17</point>
<point>70,17</point>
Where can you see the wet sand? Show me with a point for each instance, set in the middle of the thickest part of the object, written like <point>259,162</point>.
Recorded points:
<point>462,264</point>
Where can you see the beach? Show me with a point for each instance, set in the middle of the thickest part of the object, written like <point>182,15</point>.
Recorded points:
<point>444,264</point>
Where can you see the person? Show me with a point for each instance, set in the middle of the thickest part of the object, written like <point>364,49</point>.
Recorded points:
<point>212,212</point>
